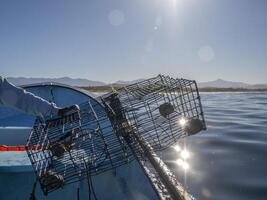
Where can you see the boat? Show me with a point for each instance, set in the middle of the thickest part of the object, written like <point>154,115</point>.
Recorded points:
<point>16,173</point>
<point>106,150</point>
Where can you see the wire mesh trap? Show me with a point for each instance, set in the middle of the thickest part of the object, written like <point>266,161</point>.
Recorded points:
<point>68,149</point>
<point>152,114</point>
<point>160,110</point>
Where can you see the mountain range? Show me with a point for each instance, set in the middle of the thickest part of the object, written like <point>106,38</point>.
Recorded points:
<point>219,83</point>
<point>63,80</point>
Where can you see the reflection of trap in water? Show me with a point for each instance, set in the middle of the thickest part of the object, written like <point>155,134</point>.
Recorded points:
<point>129,124</point>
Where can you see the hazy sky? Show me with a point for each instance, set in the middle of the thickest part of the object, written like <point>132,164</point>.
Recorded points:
<point>111,40</point>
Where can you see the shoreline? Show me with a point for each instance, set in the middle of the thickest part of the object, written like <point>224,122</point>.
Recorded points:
<point>109,89</point>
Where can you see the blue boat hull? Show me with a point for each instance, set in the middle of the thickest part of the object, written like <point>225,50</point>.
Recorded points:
<point>16,173</point>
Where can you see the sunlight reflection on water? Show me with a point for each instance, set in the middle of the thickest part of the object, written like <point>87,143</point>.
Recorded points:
<point>183,155</point>
<point>228,161</point>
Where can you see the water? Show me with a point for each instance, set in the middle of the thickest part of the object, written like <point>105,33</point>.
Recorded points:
<point>229,160</point>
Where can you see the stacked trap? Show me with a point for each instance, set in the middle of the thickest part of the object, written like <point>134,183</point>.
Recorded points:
<point>68,149</point>
<point>124,125</point>
<point>160,110</point>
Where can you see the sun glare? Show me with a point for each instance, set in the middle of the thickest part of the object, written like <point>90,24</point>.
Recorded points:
<point>177,148</point>
<point>183,164</point>
<point>185,154</point>
<point>176,3</point>
<point>179,162</point>
<point>182,121</point>
<point>183,157</point>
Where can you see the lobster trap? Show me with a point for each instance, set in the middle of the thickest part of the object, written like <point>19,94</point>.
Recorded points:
<point>124,125</point>
<point>161,110</point>
<point>68,149</point>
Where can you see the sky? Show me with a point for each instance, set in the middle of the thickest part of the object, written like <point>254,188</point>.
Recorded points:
<point>110,40</point>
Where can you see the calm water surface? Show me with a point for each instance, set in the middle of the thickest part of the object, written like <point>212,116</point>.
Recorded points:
<point>229,160</point>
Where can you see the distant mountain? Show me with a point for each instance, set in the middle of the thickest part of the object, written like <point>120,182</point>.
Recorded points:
<point>67,81</point>
<point>258,86</point>
<point>123,83</point>
<point>219,83</point>
<point>64,80</point>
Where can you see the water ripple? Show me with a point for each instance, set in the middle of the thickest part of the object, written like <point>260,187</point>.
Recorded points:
<point>229,160</point>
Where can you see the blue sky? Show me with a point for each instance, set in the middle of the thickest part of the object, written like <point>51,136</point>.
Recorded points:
<point>128,39</point>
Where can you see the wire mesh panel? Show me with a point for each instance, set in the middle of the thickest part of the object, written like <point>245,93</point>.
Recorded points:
<point>66,150</point>
<point>160,109</point>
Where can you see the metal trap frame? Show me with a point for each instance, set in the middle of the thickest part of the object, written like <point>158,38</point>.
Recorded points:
<point>66,150</point>
<point>152,115</point>
<point>161,110</point>
<point>127,124</point>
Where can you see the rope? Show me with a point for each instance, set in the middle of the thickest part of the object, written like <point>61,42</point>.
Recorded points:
<point>90,185</point>
<point>32,195</point>
<point>78,193</point>
<point>93,190</point>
